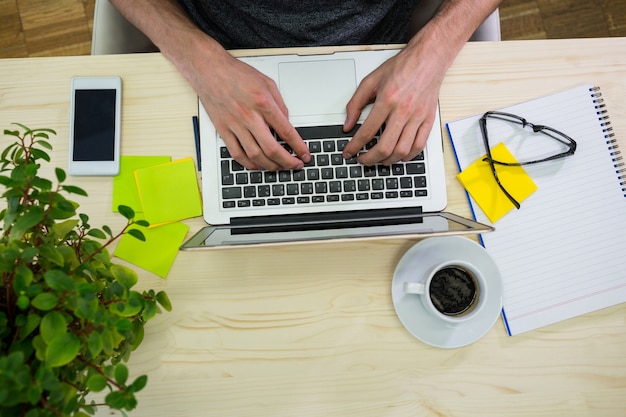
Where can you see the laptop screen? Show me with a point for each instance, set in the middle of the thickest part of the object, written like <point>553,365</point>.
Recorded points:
<point>422,225</point>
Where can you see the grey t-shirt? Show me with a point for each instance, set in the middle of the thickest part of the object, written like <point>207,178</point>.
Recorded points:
<point>263,24</point>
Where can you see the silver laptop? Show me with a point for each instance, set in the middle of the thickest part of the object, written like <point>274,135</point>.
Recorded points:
<point>331,198</point>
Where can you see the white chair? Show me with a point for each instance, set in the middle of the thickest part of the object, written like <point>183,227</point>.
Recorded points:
<point>113,34</point>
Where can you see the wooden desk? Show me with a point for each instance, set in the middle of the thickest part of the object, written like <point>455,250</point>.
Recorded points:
<point>310,330</point>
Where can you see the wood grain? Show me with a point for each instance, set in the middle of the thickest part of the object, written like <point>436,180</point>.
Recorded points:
<point>310,330</point>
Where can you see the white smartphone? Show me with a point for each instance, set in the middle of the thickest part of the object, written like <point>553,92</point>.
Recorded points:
<point>95,118</point>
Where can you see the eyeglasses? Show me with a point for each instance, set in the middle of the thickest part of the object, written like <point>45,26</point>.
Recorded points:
<point>554,134</point>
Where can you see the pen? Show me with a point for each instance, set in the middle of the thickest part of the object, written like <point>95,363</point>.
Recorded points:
<point>196,135</point>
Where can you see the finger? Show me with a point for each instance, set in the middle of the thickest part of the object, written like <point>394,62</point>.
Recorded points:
<point>279,121</point>
<point>236,151</point>
<point>386,143</point>
<point>404,145</point>
<point>421,139</point>
<point>285,131</point>
<point>363,96</point>
<point>370,128</point>
<point>269,153</point>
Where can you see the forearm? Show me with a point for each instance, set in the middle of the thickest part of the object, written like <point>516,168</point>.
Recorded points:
<point>451,27</point>
<point>171,30</point>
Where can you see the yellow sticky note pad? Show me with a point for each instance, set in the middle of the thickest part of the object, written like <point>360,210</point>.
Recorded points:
<point>479,182</point>
<point>124,185</point>
<point>169,192</point>
<point>158,252</point>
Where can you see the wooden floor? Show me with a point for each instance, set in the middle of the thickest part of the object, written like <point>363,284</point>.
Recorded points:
<point>63,27</point>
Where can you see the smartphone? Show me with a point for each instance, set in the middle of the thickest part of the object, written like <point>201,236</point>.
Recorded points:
<point>95,117</point>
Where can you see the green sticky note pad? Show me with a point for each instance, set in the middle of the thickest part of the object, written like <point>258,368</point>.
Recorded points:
<point>158,252</point>
<point>479,182</point>
<point>124,185</point>
<point>169,192</point>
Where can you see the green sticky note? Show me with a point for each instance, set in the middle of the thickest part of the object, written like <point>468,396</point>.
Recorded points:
<point>124,185</point>
<point>169,192</point>
<point>158,252</point>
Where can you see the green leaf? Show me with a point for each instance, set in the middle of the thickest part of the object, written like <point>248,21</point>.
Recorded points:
<point>40,347</point>
<point>58,280</point>
<point>51,253</point>
<point>150,310</point>
<point>138,384</point>
<point>125,276</point>
<point>33,217</point>
<point>74,190</point>
<point>107,230</point>
<point>116,400</point>
<point>52,325</point>
<point>44,144</point>
<point>96,383</point>
<point>60,173</point>
<point>12,133</point>
<point>142,223</point>
<point>42,183</point>
<point>164,300</point>
<point>121,373</point>
<point>108,345</point>
<point>45,301</point>
<point>32,322</point>
<point>126,211</point>
<point>131,307</point>
<point>39,154</point>
<point>62,350</point>
<point>123,325</point>
<point>97,233</point>
<point>95,344</point>
<point>137,234</point>
<point>45,129</point>
<point>61,229</point>
<point>22,279</point>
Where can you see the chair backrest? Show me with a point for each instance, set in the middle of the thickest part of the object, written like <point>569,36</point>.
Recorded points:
<point>113,34</point>
<point>488,31</point>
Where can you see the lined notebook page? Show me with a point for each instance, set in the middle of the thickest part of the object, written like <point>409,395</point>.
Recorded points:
<point>563,253</point>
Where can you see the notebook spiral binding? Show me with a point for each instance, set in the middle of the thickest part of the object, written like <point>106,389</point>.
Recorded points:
<point>618,159</point>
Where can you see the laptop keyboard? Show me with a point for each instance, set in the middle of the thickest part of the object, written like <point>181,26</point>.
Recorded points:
<point>328,178</point>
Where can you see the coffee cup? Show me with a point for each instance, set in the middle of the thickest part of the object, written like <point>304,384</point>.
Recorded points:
<point>453,291</point>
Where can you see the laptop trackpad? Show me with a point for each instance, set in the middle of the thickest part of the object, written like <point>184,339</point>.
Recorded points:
<point>317,87</point>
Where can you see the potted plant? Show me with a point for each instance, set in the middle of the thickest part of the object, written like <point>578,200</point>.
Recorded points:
<point>69,317</point>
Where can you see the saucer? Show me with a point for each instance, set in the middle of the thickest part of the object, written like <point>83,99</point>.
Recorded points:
<point>413,315</point>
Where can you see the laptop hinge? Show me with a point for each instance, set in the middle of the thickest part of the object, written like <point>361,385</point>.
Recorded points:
<point>330,220</point>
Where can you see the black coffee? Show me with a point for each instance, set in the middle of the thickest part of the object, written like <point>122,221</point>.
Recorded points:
<point>453,291</point>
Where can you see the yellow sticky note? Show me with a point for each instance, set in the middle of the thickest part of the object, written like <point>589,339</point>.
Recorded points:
<point>124,185</point>
<point>479,182</point>
<point>158,252</point>
<point>169,192</point>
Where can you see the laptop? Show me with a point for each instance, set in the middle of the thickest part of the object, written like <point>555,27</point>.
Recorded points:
<point>330,198</point>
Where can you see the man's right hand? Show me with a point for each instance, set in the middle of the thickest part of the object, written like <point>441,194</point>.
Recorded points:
<point>244,105</point>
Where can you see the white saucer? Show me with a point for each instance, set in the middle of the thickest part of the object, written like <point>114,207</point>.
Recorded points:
<point>413,315</point>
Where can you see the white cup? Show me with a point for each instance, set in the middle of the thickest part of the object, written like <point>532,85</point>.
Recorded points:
<point>454,291</point>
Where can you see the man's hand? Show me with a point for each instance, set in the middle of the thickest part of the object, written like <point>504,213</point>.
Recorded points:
<point>405,90</point>
<point>244,105</point>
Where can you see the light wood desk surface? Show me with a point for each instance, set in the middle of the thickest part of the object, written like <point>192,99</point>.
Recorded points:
<point>310,330</point>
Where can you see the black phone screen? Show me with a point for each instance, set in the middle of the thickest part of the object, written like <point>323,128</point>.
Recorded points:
<point>94,125</point>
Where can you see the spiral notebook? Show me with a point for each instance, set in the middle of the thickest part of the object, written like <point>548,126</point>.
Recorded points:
<point>563,253</point>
